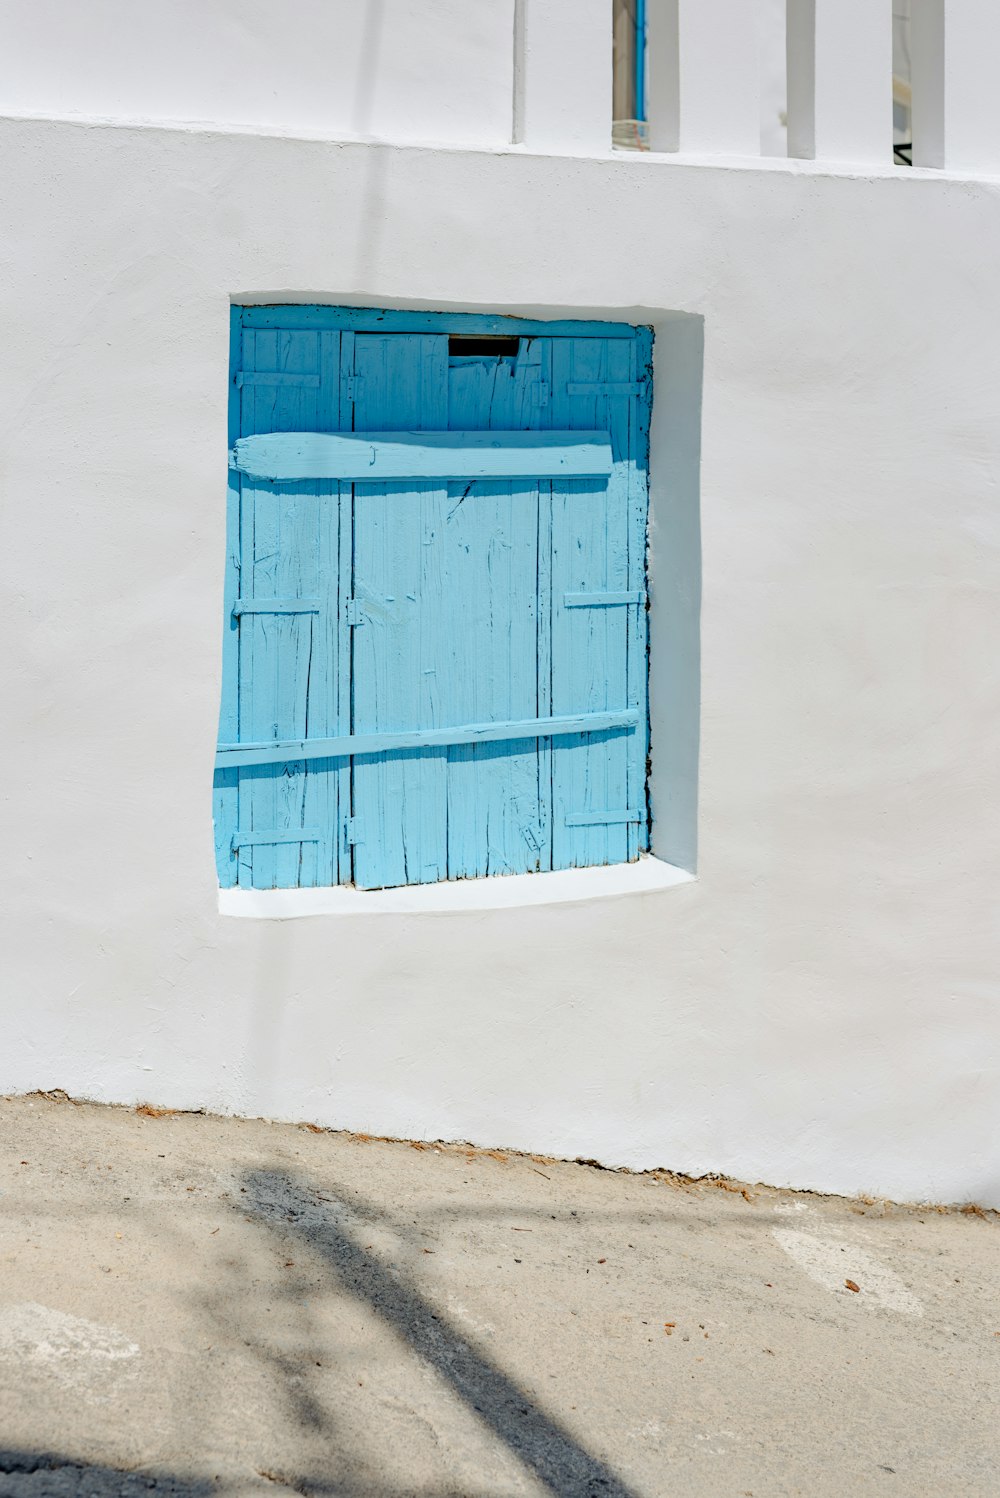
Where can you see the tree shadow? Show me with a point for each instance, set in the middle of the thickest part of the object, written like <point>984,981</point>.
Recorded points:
<point>45,1474</point>
<point>279,1200</point>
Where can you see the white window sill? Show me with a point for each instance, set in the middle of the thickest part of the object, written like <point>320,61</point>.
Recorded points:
<point>502,893</point>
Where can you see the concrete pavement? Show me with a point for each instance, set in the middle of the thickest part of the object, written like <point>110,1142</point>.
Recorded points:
<point>198,1306</point>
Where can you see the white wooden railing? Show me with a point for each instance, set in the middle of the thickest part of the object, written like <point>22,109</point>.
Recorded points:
<point>704,79</point>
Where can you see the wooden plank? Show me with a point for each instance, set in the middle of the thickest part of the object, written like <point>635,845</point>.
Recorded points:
<point>276,606</point>
<point>321,802</point>
<point>225,793</point>
<point>396,456</point>
<point>276,649</point>
<point>284,656</point>
<point>590,645</point>
<point>489,619</point>
<point>341,770</point>
<point>595,600</point>
<point>388,320</point>
<point>400,801</point>
<point>283,751</point>
<point>638,621</point>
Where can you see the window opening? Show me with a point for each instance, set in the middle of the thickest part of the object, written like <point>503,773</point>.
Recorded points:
<point>468,346</point>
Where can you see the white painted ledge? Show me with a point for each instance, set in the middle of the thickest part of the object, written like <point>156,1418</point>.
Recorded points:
<point>510,892</point>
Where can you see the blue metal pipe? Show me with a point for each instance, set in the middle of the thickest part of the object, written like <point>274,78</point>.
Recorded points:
<point>640,59</point>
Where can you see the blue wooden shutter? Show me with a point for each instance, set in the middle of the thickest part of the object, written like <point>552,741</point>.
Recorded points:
<point>416,607</point>
<point>498,794</point>
<point>598,606</point>
<point>276,824</point>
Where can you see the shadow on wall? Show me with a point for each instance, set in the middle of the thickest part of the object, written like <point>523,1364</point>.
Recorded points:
<point>674,561</point>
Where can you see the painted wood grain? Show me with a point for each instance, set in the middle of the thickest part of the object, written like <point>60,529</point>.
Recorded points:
<point>496,822</point>
<point>389,320</point>
<point>590,645</point>
<point>225,790</point>
<point>399,457</point>
<point>279,751</point>
<point>286,654</point>
<point>400,798</point>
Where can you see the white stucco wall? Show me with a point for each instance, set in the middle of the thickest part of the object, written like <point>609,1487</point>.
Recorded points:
<point>820,1007</point>
<point>424,70</point>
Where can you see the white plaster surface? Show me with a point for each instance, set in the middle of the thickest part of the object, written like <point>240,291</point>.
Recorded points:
<point>562,75</point>
<point>819,1007</point>
<point>427,70</point>
<point>511,893</point>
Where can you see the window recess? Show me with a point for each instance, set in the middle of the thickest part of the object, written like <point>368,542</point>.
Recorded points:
<point>435,651</point>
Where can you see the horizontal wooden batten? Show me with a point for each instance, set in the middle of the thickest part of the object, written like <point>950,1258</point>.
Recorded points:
<point>310,317</point>
<point>600,818</point>
<point>395,457</point>
<point>229,756</point>
<point>276,606</point>
<point>277,377</point>
<point>286,835</point>
<point>602,600</point>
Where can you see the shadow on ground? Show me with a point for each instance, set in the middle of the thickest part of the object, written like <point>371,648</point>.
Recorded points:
<point>286,1205</point>
<point>34,1474</point>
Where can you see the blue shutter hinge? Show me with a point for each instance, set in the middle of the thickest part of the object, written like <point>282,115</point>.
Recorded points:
<point>275,377</point>
<point>533,837</point>
<point>601,389</point>
<point>352,386</point>
<point>610,818</point>
<point>351,833</point>
<point>540,392</point>
<point>353,612</point>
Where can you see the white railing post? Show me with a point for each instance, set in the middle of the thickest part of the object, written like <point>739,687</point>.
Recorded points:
<point>955,68</point>
<point>704,76</point>
<point>840,81</point>
<point>562,75</point>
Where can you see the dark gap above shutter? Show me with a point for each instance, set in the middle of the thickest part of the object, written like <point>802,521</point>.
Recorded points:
<point>467,346</point>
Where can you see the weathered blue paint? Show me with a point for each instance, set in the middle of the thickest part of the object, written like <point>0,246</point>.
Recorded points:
<point>283,750</point>
<point>225,793</point>
<point>367,617</point>
<point>289,835</point>
<point>599,818</point>
<point>283,591</point>
<point>597,600</point>
<point>606,387</point>
<point>276,606</point>
<point>276,377</point>
<point>393,457</point>
<point>390,320</point>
